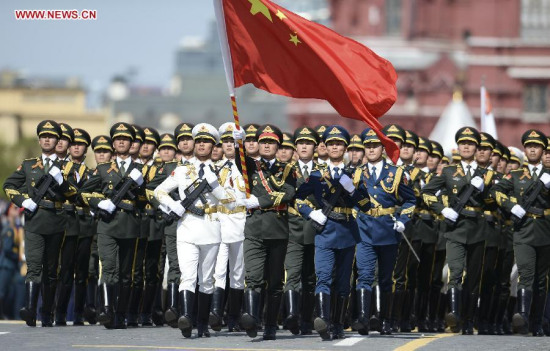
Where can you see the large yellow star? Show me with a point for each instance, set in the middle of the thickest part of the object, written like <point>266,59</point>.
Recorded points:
<point>259,6</point>
<point>281,15</point>
<point>294,39</point>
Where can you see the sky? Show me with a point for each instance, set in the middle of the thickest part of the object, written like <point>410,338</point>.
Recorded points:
<point>138,34</point>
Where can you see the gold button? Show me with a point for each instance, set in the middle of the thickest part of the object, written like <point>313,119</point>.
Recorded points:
<point>375,196</point>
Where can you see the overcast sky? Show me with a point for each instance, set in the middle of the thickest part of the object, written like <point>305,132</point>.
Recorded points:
<point>140,34</point>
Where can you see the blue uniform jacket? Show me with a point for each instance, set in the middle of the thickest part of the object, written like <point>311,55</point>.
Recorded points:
<point>335,235</point>
<point>391,189</point>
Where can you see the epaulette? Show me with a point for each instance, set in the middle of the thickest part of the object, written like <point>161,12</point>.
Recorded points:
<point>32,159</point>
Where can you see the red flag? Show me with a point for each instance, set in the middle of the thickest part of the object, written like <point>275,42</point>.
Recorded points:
<point>283,53</point>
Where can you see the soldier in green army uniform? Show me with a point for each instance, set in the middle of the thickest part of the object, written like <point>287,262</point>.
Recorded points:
<point>531,239</point>
<point>251,145</point>
<point>75,251</point>
<point>185,141</point>
<point>102,145</point>
<point>465,227</point>
<point>147,149</point>
<point>299,261</point>
<point>273,185</point>
<point>356,151</point>
<point>286,150</point>
<point>44,222</point>
<point>119,224</point>
<point>62,147</point>
<point>138,141</point>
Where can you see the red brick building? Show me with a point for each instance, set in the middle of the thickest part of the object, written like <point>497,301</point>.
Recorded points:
<point>440,46</point>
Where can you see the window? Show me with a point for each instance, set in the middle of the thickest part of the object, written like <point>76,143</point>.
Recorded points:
<point>393,17</point>
<point>535,19</point>
<point>535,98</point>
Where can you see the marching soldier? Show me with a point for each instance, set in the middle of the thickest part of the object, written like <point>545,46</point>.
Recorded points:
<point>62,147</point>
<point>44,222</point>
<point>75,251</point>
<point>273,187</point>
<point>287,148</point>
<point>464,184</point>
<point>356,151</point>
<point>524,194</point>
<point>198,233</point>
<point>398,135</point>
<point>110,192</point>
<point>380,230</point>
<point>322,154</point>
<point>335,241</point>
<point>186,143</point>
<point>230,254</point>
<point>251,145</point>
<point>546,156</point>
<point>136,144</point>
<point>299,261</point>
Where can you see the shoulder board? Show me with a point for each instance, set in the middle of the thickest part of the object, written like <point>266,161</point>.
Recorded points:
<point>152,172</point>
<point>36,159</point>
<point>414,173</point>
<point>104,163</point>
<point>67,167</point>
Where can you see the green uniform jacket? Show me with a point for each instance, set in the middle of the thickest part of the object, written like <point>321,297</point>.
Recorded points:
<point>79,219</point>
<point>20,186</point>
<point>509,192</point>
<point>100,186</point>
<point>424,226</point>
<point>156,174</point>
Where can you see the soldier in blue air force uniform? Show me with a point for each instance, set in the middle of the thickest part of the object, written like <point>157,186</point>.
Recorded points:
<point>335,244</point>
<point>380,228</point>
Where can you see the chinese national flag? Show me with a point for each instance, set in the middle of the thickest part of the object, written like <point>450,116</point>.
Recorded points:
<point>283,53</point>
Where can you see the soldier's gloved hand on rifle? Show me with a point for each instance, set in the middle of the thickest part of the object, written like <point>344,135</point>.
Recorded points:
<point>450,214</point>
<point>545,179</point>
<point>29,205</point>
<point>477,182</point>
<point>164,209</point>
<point>176,207</point>
<point>56,174</point>
<point>107,205</point>
<point>136,176</point>
<point>239,134</point>
<point>211,177</point>
<point>518,211</point>
<point>398,226</point>
<point>251,202</point>
<point>318,217</point>
<point>347,183</point>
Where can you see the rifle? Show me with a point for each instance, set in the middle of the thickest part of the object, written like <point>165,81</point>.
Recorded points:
<point>193,192</point>
<point>328,205</point>
<point>43,186</point>
<point>531,195</point>
<point>121,191</point>
<point>463,199</point>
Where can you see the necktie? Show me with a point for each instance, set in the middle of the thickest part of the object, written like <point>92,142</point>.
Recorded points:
<point>535,175</point>
<point>122,169</point>
<point>47,165</point>
<point>185,163</point>
<point>373,172</point>
<point>468,174</point>
<point>201,171</point>
<point>305,173</point>
<point>336,172</point>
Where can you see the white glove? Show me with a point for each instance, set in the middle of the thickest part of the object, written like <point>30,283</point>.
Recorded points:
<point>136,176</point>
<point>29,205</point>
<point>399,226</point>
<point>545,179</point>
<point>347,183</point>
<point>450,214</point>
<point>176,207</point>
<point>477,182</point>
<point>239,134</point>
<point>107,205</point>
<point>318,217</point>
<point>518,211</point>
<point>251,202</point>
<point>56,174</point>
<point>210,177</point>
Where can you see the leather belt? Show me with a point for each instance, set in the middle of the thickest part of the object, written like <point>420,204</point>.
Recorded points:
<point>50,205</point>
<point>469,211</point>
<point>491,217</point>
<point>540,213</point>
<point>238,209</point>
<point>126,205</point>
<point>424,215</point>
<point>279,209</point>
<point>380,211</point>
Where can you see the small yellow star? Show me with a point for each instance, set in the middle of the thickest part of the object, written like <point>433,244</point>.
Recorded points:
<point>295,40</point>
<point>281,15</point>
<point>259,6</point>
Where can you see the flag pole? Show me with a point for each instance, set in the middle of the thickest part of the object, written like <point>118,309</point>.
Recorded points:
<point>228,68</point>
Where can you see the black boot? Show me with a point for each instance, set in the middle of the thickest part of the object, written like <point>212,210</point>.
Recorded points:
<point>292,320</point>
<point>453,317</point>
<point>421,307</point>
<point>308,305</point>
<point>133,306</point>
<point>441,311</point>
<point>185,321</point>
<point>90,311</point>
<point>470,304</point>
<point>385,312</point>
<point>234,309</point>
<point>79,300</point>
<point>484,322</point>
<point>520,321</point>
<point>251,316</point>
<point>539,301</point>
<point>63,297</point>
<point>340,311</point>
<point>216,311</point>
<point>433,305</point>
<point>28,312</point>
<point>48,296</point>
<point>363,300</point>
<point>106,314</point>
<point>172,311</point>
<point>158,312</point>
<point>322,322</point>
<point>397,307</point>
<point>502,307</point>
<point>123,301</point>
<point>271,316</point>
<point>374,322</point>
<point>408,304</point>
<point>204,301</point>
<point>149,295</point>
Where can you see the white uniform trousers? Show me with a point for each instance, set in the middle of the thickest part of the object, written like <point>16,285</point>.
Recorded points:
<point>232,253</point>
<point>197,261</point>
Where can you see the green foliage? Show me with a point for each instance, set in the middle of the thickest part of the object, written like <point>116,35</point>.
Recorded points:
<point>12,156</point>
